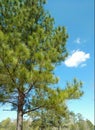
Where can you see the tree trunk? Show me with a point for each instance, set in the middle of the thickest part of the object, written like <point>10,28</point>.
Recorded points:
<point>20,111</point>
<point>59,127</point>
<point>20,120</point>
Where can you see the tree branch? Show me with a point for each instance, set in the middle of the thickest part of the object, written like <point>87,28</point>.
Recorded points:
<point>9,102</point>
<point>32,110</point>
<point>31,86</point>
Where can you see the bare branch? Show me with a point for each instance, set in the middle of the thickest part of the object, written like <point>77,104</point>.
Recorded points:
<point>32,110</point>
<point>31,86</point>
<point>9,102</point>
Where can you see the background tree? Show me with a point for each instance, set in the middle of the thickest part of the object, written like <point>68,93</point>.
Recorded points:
<point>36,124</point>
<point>7,124</point>
<point>30,49</point>
<point>46,119</point>
<point>90,125</point>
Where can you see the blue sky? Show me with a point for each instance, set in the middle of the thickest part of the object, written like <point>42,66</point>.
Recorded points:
<point>78,18</point>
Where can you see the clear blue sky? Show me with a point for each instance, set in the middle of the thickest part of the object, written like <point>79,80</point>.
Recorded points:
<point>78,18</point>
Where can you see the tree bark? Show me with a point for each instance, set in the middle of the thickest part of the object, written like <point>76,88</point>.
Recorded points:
<point>20,120</point>
<point>59,127</point>
<point>20,111</point>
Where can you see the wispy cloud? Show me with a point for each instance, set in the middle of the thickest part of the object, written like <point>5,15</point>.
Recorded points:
<point>78,40</point>
<point>77,58</point>
<point>83,65</point>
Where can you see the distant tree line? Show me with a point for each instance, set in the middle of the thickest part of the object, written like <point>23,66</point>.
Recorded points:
<point>49,121</point>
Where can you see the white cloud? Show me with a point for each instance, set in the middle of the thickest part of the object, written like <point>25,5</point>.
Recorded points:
<point>77,58</point>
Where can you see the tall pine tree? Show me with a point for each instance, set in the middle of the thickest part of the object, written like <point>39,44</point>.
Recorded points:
<point>30,49</point>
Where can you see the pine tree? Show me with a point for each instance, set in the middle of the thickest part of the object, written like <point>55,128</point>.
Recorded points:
<point>30,49</point>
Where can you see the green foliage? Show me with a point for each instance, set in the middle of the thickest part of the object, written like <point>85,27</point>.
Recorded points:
<point>45,119</point>
<point>7,124</point>
<point>78,123</point>
<point>48,120</point>
<point>90,125</point>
